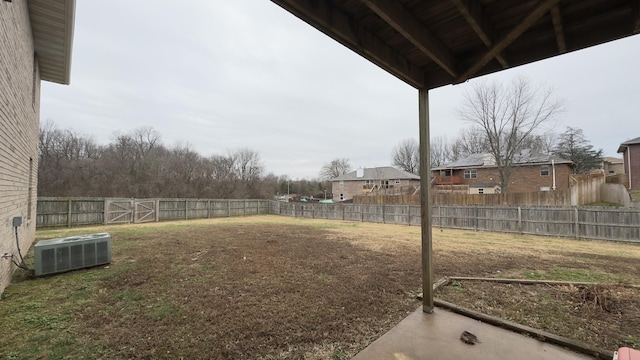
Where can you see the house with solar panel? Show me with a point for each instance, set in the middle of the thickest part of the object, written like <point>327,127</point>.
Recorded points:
<point>478,174</point>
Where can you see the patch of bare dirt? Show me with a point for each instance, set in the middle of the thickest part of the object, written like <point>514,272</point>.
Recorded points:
<point>250,292</point>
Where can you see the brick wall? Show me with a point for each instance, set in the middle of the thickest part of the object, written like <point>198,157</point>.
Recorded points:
<point>523,178</point>
<point>19,114</point>
<point>528,178</point>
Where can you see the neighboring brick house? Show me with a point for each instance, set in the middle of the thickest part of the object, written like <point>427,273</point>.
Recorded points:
<point>35,44</point>
<point>631,153</point>
<point>530,173</point>
<point>365,180</point>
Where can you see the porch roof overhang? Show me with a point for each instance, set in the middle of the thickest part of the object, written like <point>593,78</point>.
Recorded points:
<point>52,24</point>
<point>428,44</point>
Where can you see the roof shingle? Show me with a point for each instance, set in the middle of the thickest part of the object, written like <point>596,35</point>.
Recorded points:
<point>378,173</point>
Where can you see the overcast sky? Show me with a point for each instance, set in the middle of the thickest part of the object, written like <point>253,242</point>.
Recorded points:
<point>222,74</point>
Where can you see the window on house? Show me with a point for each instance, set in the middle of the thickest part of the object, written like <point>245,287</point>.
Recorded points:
<point>341,197</point>
<point>384,184</point>
<point>470,173</point>
<point>481,191</point>
<point>445,172</point>
<point>397,182</point>
<point>341,184</point>
<point>544,170</point>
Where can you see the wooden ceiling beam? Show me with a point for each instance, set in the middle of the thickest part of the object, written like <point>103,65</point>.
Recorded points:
<point>473,13</point>
<point>636,16</point>
<point>404,22</point>
<point>542,8</point>
<point>342,27</point>
<point>556,17</point>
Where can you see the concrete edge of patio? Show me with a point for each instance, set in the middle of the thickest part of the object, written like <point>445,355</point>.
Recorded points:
<point>422,336</point>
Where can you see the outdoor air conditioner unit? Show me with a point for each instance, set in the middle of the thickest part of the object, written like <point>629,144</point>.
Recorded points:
<point>76,252</point>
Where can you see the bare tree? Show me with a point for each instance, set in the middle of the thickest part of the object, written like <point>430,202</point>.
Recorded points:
<point>542,143</point>
<point>66,161</point>
<point>508,115</point>
<point>406,156</point>
<point>247,165</point>
<point>440,151</point>
<point>335,168</point>
<point>222,167</point>
<point>471,140</point>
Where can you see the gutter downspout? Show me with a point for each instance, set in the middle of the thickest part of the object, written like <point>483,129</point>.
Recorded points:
<point>553,168</point>
<point>629,164</point>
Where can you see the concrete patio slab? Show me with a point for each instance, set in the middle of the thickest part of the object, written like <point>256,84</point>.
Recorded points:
<point>423,336</point>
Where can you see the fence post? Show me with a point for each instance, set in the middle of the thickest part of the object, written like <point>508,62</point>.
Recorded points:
<point>475,216</point>
<point>244,208</point>
<point>519,219</point>
<point>343,210</point>
<point>383,214</point>
<point>105,210</point>
<point>208,209</point>
<point>69,213</point>
<point>132,205</point>
<point>157,210</point>
<point>228,208</point>
<point>408,214</point>
<point>134,210</point>
<point>576,222</point>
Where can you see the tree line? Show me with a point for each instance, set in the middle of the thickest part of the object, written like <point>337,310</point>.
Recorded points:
<point>137,164</point>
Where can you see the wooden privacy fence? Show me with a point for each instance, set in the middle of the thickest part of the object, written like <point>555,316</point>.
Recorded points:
<point>557,198</point>
<point>598,223</point>
<point>68,212</point>
<point>584,189</point>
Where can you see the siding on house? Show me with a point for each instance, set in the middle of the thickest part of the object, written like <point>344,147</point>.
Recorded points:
<point>613,166</point>
<point>19,129</point>
<point>632,155</point>
<point>351,188</point>
<point>346,186</point>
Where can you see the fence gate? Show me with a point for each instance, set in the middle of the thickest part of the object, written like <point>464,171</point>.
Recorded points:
<point>145,211</point>
<point>119,212</point>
